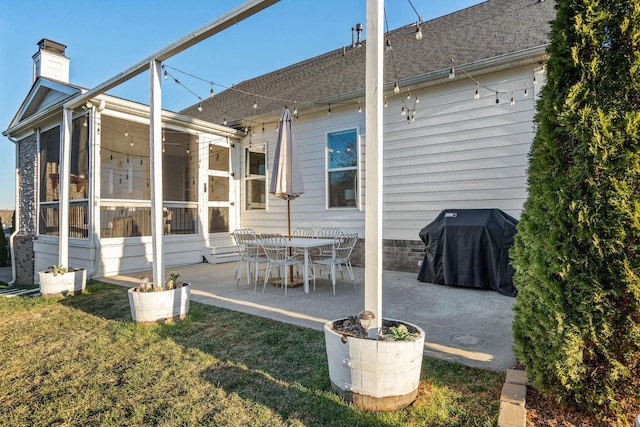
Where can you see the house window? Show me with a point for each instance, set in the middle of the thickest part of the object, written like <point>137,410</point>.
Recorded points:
<point>255,177</point>
<point>342,169</point>
<point>50,142</point>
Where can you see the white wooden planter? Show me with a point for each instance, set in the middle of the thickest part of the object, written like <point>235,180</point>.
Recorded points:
<point>160,307</point>
<point>374,375</point>
<point>67,284</point>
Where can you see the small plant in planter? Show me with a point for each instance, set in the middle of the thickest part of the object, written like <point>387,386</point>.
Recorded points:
<point>379,372</point>
<point>158,304</point>
<point>59,280</point>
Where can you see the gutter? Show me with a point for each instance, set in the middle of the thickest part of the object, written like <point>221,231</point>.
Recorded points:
<point>17,216</point>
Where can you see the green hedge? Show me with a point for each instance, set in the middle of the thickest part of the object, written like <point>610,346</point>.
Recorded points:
<point>577,251</point>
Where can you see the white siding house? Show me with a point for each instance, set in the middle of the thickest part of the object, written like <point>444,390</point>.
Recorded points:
<point>462,142</point>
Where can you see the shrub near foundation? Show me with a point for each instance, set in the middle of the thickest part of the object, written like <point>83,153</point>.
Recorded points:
<point>577,251</point>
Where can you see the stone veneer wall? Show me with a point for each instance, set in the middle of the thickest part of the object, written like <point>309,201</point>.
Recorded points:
<point>398,255</point>
<point>28,215</point>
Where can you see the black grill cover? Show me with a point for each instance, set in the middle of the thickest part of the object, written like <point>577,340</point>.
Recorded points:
<point>469,247</point>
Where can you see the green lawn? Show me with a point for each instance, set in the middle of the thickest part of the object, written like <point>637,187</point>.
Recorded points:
<point>81,361</point>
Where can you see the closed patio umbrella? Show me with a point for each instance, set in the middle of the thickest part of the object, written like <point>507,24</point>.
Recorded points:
<point>286,178</point>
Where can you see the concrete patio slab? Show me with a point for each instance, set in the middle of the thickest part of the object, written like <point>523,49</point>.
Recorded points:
<point>466,325</point>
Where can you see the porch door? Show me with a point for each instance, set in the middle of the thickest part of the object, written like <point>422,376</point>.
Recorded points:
<point>220,191</point>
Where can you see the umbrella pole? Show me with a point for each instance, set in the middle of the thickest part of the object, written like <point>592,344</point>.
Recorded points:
<point>289,230</point>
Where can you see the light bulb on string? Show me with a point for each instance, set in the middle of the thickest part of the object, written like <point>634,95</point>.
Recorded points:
<point>295,109</point>
<point>408,94</point>
<point>140,161</point>
<point>396,88</point>
<point>163,148</point>
<point>131,143</point>
<point>403,111</point>
<point>477,95</point>
<point>200,107</point>
<point>526,91</point>
<point>388,45</point>
<point>418,32</point>
<point>166,74</point>
<point>188,150</point>
<point>255,104</point>
<point>211,92</point>
<point>86,121</point>
<point>513,100</point>
<point>329,112</point>
<point>126,131</point>
<point>452,73</point>
<point>385,102</point>
<point>359,107</point>
<point>497,99</point>
<point>224,121</point>
<point>163,138</point>
<point>417,100</point>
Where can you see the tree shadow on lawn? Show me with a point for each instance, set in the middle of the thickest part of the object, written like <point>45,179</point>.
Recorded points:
<point>281,367</point>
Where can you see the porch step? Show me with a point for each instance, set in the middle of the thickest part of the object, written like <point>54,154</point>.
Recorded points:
<point>220,254</point>
<point>8,293</point>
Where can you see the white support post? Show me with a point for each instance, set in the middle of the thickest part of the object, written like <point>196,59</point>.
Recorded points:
<point>63,185</point>
<point>374,172</point>
<point>155,154</point>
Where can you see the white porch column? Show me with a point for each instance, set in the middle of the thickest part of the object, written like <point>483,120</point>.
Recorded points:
<point>374,172</point>
<point>155,154</point>
<point>63,185</point>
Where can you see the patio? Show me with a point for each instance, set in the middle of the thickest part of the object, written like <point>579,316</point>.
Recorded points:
<point>465,325</point>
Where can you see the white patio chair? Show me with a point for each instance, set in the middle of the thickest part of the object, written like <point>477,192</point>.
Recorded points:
<point>328,233</point>
<point>277,253</point>
<point>250,255</point>
<point>340,255</point>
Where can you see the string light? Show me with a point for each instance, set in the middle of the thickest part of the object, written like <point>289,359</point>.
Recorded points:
<point>200,107</point>
<point>526,91</point>
<point>329,112</point>
<point>86,121</point>
<point>513,100</point>
<point>388,46</point>
<point>166,74</point>
<point>359,107</point>
<point>403,111</point>
<point>477,95</point>
<point>417,100</point>
<point>452,73</point>
<point>126,131</point>
<point>408,94</point>
<point>385,102</point>
<point>396,88</point>
<point>497,100</point>
<point>418,32</point>
<point>211,91</point>
<point>255,104</point>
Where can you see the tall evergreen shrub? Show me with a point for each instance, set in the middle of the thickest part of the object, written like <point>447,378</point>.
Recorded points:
<point>577,250</point>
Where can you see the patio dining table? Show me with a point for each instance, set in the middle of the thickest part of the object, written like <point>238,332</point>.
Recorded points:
<point>307,243</point>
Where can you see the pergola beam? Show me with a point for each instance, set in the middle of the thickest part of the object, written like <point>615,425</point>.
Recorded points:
<point>225,21</point>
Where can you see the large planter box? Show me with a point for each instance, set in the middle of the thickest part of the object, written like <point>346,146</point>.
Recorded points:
<point>67,284</point>
<point>160,307</point>
<point>374,375</point>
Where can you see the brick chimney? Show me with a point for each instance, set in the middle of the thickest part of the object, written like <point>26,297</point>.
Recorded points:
<point>50,61</point>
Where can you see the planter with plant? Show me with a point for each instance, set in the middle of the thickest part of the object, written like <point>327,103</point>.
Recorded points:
<point>158,304</point>
<point>380,372</point>
<point>58,280</point>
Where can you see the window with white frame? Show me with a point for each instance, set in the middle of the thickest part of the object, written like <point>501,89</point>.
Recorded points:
<point>342,169</point>
<point>255,177</point>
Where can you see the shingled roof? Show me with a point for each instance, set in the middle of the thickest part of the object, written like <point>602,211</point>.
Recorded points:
<point>492,29</point>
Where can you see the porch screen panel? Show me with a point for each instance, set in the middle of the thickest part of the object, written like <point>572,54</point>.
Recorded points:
<point>78,181</point>
<point>49,175</point>
<point>125,221</point>
<point>50,165</point>
<point>218,219</point>
<point>180,183</point>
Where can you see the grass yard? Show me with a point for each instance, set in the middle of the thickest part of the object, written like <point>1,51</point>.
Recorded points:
<point>81,361</point>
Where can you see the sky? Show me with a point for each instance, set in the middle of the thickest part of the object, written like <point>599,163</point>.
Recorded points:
<point>104,38</point>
